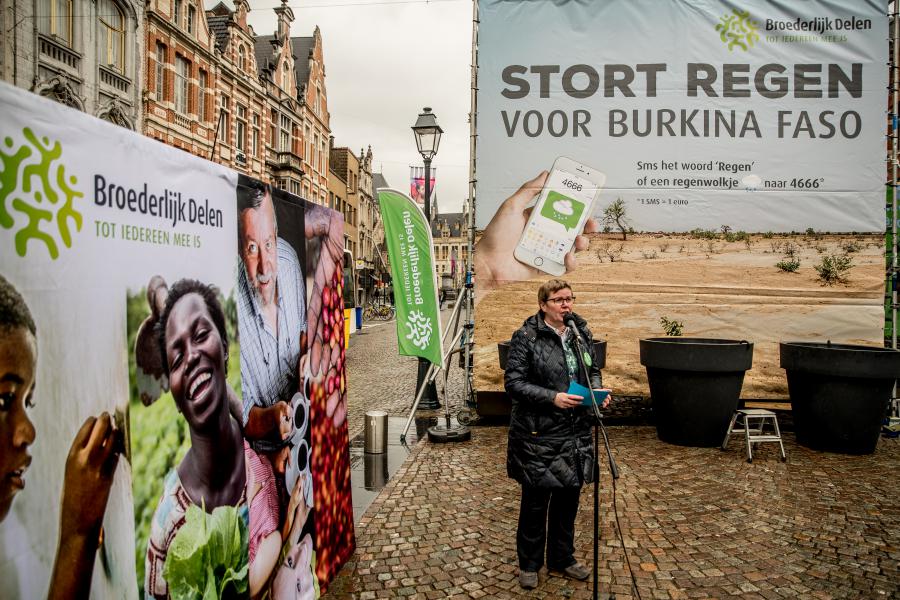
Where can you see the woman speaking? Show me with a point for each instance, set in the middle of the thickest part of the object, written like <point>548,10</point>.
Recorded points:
<point>550,452</point>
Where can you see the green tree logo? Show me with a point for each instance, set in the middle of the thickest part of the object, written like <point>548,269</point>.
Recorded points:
<point>737,29</point>
<point>37,190</point>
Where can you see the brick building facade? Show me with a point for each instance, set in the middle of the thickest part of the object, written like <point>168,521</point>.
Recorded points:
<point>255,103</point>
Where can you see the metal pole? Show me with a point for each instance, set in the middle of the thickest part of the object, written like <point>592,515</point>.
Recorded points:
<point>469,324</point>
<point>430,398</point>
<point>428,190</point>
<point>892,82</point>
<point>431,373</point>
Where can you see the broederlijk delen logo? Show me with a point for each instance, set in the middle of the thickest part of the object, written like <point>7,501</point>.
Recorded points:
<point>420,329</point>
<point>738,30</point>
<point>36,196</point>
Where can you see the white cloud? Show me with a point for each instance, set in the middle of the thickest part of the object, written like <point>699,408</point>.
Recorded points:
<point>564,207</point>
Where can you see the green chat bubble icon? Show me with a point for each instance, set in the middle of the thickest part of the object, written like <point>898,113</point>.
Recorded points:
<point>563,210</point>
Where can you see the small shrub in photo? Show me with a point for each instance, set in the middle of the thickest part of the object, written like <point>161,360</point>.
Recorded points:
<point>610,252</point>
<point>850,247</point>
<point>672,328</point>
<point>791,250</point>
<point>789,265</point>
<point>704,234</point>
<point>834,268</point>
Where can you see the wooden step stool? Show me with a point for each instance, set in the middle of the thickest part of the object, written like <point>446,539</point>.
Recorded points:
<point>754,421</point>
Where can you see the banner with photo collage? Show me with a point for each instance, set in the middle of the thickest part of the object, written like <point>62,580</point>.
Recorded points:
<point>172,382</point>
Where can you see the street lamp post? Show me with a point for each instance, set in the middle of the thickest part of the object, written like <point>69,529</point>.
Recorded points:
<point>428,138</point>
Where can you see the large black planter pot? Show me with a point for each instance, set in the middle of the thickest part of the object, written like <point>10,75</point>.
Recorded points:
<point>839,393</point>
<point>695,386</point>
<point>599,351</point>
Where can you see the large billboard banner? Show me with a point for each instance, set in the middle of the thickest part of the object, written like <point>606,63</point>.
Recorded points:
<point>698,167</point>
<point>164,437</point>
<point>758,114</point>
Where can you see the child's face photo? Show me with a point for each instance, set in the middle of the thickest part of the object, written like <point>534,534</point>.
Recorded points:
<point>18,357</point>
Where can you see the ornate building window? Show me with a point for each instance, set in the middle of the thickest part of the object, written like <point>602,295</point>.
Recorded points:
<point>242,58</point>
<point>273,124</point>
<point>177,13</point>
<point>160,71</point>
<point>285,139</point>
<point>254,136</point>
<point>182,74</point>
<point>225,120</point>
<point>112,35</point>
<point>201,101</point>
<point>191,19</point>
<point>240,128</point>
<point>55,18</point>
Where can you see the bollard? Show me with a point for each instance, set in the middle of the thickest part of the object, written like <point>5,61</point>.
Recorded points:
<point>376,432</point>
<point>375,471</point>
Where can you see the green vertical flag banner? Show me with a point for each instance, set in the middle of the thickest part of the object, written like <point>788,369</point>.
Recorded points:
<point>411,253</point>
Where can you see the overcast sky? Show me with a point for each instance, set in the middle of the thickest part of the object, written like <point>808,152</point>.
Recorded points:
<point>384,61</point>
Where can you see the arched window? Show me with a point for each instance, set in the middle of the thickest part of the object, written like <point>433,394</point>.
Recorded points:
<point>55,18</point>
<point>112,35</point>
<point>242,58</point>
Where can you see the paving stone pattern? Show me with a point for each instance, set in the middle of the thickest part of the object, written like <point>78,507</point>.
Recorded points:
<point>380,379</point>
<point>697,522</point>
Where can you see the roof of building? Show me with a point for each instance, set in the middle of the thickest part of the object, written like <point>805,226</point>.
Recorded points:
<point>302,48</point>
<point>455,221</point>
<point>218,24</point>
<point>264,49</point>
<point>378,181</point>
<point>215,4</point>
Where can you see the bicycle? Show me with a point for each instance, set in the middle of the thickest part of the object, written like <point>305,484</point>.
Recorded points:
<point>378,312</point>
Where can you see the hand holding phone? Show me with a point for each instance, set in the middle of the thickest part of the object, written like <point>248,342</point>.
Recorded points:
<point>563,207</point>
<point>494,258</point>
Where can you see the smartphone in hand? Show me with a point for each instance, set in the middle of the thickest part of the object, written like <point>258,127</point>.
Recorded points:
<point>563,206</point>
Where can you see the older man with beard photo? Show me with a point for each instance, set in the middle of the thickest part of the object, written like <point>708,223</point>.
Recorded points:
<point>272,309</point>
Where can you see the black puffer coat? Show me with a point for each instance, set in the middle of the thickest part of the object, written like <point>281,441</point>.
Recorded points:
<point>548,446</point>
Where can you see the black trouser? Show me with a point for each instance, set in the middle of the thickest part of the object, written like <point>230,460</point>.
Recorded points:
<point>557,528</point>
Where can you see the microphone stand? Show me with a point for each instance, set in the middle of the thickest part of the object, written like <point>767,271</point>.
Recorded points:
<point>598,427</point>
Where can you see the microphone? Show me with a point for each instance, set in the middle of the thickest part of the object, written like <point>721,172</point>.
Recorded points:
<point>569,320</point>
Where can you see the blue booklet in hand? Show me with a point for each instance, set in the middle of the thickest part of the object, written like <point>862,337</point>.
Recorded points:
<point>577,389</point>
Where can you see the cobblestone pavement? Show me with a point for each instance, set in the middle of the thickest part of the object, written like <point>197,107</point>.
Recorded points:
<point>380,379</point>
<point>697,522</point>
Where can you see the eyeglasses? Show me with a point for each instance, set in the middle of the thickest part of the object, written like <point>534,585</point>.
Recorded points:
<point>567,299</point>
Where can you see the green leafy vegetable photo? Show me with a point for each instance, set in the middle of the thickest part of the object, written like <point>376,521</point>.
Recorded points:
<point>208,557</point>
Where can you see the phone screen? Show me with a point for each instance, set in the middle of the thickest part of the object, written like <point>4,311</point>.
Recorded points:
<point>559,215</point>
